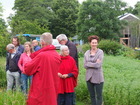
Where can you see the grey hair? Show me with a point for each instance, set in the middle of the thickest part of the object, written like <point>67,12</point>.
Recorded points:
<point>62,48</point>
<point>10,46</point>
<point>62,37</point>
<point>46,37</point>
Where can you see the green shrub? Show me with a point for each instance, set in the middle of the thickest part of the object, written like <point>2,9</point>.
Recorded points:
<point>137,55</point>
<point>127,51</point>
<point>110,47</point>
<point>2,77</point>
<point>85,47</point>
<point>4,41</point>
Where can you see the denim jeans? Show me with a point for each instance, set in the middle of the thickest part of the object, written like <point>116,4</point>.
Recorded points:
<point>95,91</point>
<point>24,82</point>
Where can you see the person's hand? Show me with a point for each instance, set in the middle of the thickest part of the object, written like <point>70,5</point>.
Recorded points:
<point>64,76</point>
<point>98,61</point>
<point>60,75</point>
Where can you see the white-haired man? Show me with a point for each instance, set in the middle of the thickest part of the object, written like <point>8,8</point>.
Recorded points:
<point>63,40</point>
<point>44,68</point>
<point>12,69</point>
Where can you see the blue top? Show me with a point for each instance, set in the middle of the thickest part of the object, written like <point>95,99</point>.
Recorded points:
<point>36,48</point>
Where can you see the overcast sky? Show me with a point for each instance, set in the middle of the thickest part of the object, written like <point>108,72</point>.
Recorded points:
<point>8,4</point>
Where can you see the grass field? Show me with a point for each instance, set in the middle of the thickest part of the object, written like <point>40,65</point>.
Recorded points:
<point>121,87</point>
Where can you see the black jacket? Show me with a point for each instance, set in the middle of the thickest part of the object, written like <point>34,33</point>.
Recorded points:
<point>73,51</point>
<point>15,60</point>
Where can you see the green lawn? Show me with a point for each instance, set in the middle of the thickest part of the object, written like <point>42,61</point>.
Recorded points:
<point>121,87</point>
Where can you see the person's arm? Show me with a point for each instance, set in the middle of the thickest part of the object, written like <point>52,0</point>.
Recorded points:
<point>98,63</point>
<point>20,63</point>
<point>32,67</point>
<point>74,73</point>
<point>7,61</point>
<point>85,62</point>
<point>73,51</point>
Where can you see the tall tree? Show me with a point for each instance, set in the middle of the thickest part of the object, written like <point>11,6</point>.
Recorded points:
<point>33,11</point>
<point>1,10</point>
<point>3,30</point>
<point>136,10</point>
<point>100,18</point>
<point>65,16</point>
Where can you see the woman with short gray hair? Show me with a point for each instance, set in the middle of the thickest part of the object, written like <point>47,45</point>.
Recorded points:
<point>68,74</point>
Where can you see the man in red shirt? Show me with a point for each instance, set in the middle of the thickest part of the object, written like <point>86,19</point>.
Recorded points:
<point>44,68</point>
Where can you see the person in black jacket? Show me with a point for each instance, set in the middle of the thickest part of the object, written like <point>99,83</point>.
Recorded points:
<point>63,40</point>
<point>12,69</point>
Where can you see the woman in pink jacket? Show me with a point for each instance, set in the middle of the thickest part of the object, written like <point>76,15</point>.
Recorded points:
<point>25,58</point>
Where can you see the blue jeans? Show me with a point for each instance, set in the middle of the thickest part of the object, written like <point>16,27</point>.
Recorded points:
<point>24,82</point>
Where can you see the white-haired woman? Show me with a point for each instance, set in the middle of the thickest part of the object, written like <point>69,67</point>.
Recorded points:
<point>25,58</point>
<point>68,74</point>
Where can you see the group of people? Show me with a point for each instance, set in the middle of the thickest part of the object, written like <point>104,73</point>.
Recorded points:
<point>52,75</point>
<point>17,57</point>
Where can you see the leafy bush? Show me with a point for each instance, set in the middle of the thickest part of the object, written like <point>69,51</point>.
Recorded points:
<point>2,77</point>
<point>85,47</point>
<point>110,47</point>
<point>127,51</point>
<point>4,41</point>
<point>137,54</point>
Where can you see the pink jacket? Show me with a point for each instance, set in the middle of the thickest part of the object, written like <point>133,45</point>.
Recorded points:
<point>24,58</point>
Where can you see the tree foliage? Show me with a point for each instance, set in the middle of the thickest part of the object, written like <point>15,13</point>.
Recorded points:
<point>136,10</point>
<point>36,16</point>
<point>99,18</point>
<point>31,12</point>
<point>65,16</point>
<point>3,26</point>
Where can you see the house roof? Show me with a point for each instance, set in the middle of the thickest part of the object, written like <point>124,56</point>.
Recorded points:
<point>128,16</point>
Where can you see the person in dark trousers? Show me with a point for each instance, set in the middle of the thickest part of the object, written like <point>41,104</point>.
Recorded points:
<point>35,45</point>
<point>68,74</point>
<point>63,40</point>
<point>93,59</point>
<point>12,69</point>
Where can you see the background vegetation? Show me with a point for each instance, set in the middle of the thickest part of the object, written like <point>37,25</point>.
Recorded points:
<point>98,17</point>
<point>121,85</point>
